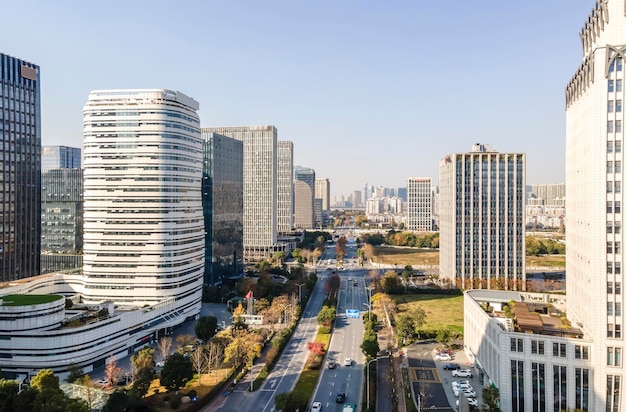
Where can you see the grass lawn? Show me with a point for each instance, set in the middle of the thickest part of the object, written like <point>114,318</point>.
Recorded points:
<point>420,257</point>
<point>307,381</point>
<point>21,300</point>
<point>202,386</point>
<point>442,311</point>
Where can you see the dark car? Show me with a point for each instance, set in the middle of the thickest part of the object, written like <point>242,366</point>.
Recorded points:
<point>451,366</point>
<point>332,364</point>
<point>341,397</point>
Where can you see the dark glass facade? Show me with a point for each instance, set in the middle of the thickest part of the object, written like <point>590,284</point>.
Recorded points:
<point>222,204</point>
<point>60,157</point>
<point>20,164</point>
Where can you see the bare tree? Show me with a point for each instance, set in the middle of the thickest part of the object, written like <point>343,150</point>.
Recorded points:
<point>88,390</point>
<point>112,373</point>
<point>199,360</point>
<point>165,346</point>
<point>215,357</point>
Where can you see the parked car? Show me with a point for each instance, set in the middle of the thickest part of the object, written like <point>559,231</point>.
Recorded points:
<point>470,401</point>
<point>461,386</point>
<point>347,362</point>
<point>316,407</point>
<point>160,364</point>
<point>451,366</point>
<point>462,373</point>
<point>461,383</point>
<point>332,364</point>
<point>341,397</point>
<point>467,392</point>
<point>443,357</point>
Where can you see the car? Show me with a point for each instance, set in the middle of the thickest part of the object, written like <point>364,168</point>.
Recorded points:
<point>468,393</point>
<point>462,373</point>
<point>461,384</point>
<point>347,362</point>
<point>470,401</point>
<point>462,387</point>
<point>102,382</point>
<point>443,357</point>
<point>160,364</point>
<point>332,364</point>
<point>451,366</point>
<point>316,406</point>
<point>341,397</point>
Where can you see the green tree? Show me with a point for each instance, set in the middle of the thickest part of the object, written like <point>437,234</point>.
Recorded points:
<point>8,395</point>
<point>291,401</point>
<point>370,345</point>
<point>405,329</point>
<point>419,318</point>
<point>75,373</point>
<point>45,380</point>
<point>326,316</point>
<point>143,379</point>
<point>491,398</point>
<point>176,372</point>
<point>279,257</point>
<point>206,327</point>
<point>144,359</point>
<point>390,283</point>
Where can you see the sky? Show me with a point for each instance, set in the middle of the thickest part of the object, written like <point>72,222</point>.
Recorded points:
<point>369,91</point>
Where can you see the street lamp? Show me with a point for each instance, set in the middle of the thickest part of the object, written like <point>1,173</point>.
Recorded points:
<point>299,285</point>
<point>369,311</point>
<point>291,304</point>
<point>368,381</point>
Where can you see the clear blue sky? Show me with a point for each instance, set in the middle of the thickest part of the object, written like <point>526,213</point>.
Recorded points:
<point>368,91</point>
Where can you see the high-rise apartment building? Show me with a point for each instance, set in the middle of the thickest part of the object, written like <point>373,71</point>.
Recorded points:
<point>285,187</point>
<point>322,191</point>
<point>594,197</point>
<point>222,202</point>
<point>260,188</point>
<point>419,215</point>
<point>304,200</point>
<point>356,198</point>
<point>143,219</point>
<point>61,219</point>
<point>549,194</point>
<point>481,218</point>
<point>60,157</point>
<point>20,132</point>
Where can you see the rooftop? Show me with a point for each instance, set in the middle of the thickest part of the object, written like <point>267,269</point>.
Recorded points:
<point>22,300</point>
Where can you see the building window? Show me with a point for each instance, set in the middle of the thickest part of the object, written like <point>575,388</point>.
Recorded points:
<point>611,86</point>
<point>618,106</point>
<point>560,387</point>
<point>539,387</point>
<point>559,350</point>
<point>618,268</point>
<point>609,330</point>
<point>582,389</point>
<point>618,126</point>
<point>537,347</point>
<point>609,267</point>
<point>609,187</point>
<point>609,247</point>
<point>613,389</point>
<point>618,146</point>
<point>609,126</point>
<point>609,167</point>
<point>610,356</point>
<point>609,288</point>
<point>618,248</point>
<point>517,385</point>
<point>618,85</point>
<point>517,345</point>
<point>618,205</point>
<point>618,309</point>
<point>618,187</point>
<point>609,146</point>
<point>618,166</point>
<point>609,207</point>
<point>581,352</point>
<point>618,331</point>
<point>609,308</point>
<point>617,228</point>
<point>618,288</point>
<point>609,106</point>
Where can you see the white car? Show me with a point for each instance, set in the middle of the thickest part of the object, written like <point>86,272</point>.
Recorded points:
<point>462,373</point>
<point>468,393</point>
<point>160,364</point>
<point>347,362</point>
<point>462,385</point>
<point>470,401</point>
<point>443,357</point>
<point>316,407</point>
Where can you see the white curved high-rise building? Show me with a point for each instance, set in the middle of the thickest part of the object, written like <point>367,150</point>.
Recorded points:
<point>143,221</point>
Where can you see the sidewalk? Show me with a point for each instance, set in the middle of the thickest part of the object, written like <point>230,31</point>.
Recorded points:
<point>389,378</point>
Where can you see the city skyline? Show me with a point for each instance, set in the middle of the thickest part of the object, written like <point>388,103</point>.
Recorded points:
<point>350,84</point>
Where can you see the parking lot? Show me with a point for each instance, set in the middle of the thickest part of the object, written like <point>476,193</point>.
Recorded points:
<point>432,383</point>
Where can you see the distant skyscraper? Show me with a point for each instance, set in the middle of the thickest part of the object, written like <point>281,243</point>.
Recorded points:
<point>356,199</point>
<point>285,186</point>
<point>20,132</point>
<point>402,193</point>
<point>482,218</point>
<point>222,202</point>
<point>550,194</point>
<point>144,226</point>
<point>60,157</point>
<point>322,191</point>
<point>304,213</point>
<point>61,219</point>
<point>260,188</point>
<point>419,205</point>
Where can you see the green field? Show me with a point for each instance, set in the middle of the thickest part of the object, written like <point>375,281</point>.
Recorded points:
<point>442,311</point>
<point>21,300</point>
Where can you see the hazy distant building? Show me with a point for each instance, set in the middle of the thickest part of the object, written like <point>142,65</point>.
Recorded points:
<point>419,204</point>
<point>285,186</point>
<point>304,203</point>
<point>60,157</point>
<point>322,191</point>
<point>357,200</point>
<point>402,193</point>
<point>548,194</point>
<point>61,219</point>
<point>435,197</point>
<point>260,188</point>
<point>481,218</point>
<point>222,204</point>
<point>20,131</point>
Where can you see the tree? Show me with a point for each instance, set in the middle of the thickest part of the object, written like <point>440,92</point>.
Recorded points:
<point>198,359</point>
<point>206,327</point>
<point>45,380</point>
<point>88,390</point>
<point>491,398</point>
<point>291,401</point>
<point>185,340</point>
<point>370,345</point>
<point>391,283</point>
<point>75,373</point>
<point>279,257</point>
<point>112,373</point>
<point>144,359</point>
<point>316,348</point>
<point>326,316</point>
<point>165,346</point>
<point>405,329</point>
<point>419,318</point>
<point>143,380</point>
<point>176,372</point>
